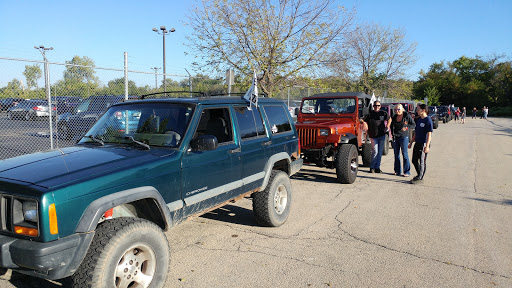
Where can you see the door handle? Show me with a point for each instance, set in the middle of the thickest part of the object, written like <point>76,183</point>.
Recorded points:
<point>237,150</point>
<point>267,143</point>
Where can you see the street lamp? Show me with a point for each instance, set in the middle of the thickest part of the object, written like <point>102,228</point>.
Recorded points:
<point>164,32</point>
<point>43,50</point>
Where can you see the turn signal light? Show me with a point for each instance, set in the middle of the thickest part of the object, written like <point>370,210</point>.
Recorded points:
<point>25,231</point>
<point>52,212</point>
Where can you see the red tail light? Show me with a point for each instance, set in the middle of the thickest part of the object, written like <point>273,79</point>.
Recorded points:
<point>37,108</point>
<point>54,108</point>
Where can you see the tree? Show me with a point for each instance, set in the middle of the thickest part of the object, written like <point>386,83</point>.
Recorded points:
<point>32,74</point>
<point>278,38</point>
<point>14,88</point>
<point>376,54</point>
<point>433,96</point>
<point>80,69</point>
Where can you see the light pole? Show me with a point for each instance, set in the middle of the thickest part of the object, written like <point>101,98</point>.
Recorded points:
<point>164,32</point>
<point>43,50</point>
<point>156,76</point>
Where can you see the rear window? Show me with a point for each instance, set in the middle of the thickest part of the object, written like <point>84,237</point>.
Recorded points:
<point>278,119</point>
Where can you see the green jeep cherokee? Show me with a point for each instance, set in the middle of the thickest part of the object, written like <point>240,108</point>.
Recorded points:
<point>97,211</point>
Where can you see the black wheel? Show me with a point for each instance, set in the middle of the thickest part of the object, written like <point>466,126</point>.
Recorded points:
<point>435,124</point>
<point>444,120</point>
<point>125,252</point>
<point>346,164</point>
<point>385,150</point>
<point>28,116</point>
<point>366,154</point>
<point>64,130</point>
<point>271,206</point>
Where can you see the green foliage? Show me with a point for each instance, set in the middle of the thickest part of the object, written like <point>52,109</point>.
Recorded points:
<point>470,82</point>
<point>433,96</point>
<point>32,73</point>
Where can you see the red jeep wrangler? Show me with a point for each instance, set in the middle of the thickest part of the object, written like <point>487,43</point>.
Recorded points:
<point>331,134</point>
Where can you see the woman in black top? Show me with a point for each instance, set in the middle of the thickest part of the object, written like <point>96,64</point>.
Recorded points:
<point>400,125</point>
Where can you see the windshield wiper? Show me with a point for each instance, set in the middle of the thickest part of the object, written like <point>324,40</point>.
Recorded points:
<point>137,142</point>
<point>95,139</point>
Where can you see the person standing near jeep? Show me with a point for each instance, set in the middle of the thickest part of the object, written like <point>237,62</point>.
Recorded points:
<point>401,122</point>
<point>422,137</point>
<point>374,123</point>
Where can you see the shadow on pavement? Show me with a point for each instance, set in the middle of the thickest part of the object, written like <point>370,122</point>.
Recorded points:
<point>232,214</point>
<point>24,281</point>
<point>497,202</point>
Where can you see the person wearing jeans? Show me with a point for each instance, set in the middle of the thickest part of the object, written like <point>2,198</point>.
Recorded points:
<point>375,124</point>
<point>423,137</point>
<point>401,123</point>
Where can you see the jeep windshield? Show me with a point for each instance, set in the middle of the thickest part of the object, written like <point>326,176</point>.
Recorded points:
<point>329,106</point>
<point>142,124</point>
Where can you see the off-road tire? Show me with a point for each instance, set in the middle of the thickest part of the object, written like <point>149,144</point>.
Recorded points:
<point>137,245</point>
<point>366,154</point>
<point>346,164</point>
<point>271,206</point>
<point>385,149</point>
<point>435,124</point>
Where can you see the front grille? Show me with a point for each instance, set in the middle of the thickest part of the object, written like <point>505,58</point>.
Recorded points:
<point>5,208</point>
<point>307,137</point>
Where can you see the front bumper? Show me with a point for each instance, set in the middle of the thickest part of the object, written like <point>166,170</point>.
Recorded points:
<point>52,260</point>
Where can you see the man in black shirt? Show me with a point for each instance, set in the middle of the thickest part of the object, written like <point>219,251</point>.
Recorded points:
<point>377,128</point>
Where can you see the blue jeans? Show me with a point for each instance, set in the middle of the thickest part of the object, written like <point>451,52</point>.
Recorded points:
<point>377,148</point>
<point>401,143</point>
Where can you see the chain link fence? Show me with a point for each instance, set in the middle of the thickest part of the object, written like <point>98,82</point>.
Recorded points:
<point>79,95</point>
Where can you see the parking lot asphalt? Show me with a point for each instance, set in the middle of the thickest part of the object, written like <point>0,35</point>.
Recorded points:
<point>451,231</point>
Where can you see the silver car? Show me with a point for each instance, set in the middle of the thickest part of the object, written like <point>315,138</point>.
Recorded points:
<point>29,110</point>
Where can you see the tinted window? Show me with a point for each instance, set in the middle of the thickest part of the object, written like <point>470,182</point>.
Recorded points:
<point>278,119</point>
<point>246,123</point>
<point>250,122</point>
<point>259,122</point>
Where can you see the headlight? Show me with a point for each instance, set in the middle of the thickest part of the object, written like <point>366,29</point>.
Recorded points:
<point>25,217</point>
<point>324,132</point>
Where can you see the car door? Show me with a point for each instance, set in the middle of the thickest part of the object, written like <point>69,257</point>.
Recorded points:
<point>212,177</point>
<point>254,140</point>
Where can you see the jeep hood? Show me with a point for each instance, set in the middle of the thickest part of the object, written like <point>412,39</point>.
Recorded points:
<point>325,122</point>
<point>59,167</point>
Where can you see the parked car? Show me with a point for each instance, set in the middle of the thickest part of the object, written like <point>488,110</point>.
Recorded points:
<point>99,214</point>
<point>329,128</point>
<point>29,110</point>
<point>65,104</point>
<point>444,113</point>
<point>75,123</point>
<point>7,103</point>
<point>435,118</point>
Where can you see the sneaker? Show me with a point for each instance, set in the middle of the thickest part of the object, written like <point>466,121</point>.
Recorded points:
<point>416,180</point>
<point>398,174</point>
<point>372,170</point>
<point>378,170</point>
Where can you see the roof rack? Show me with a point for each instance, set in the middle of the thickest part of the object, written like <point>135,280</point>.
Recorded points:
<point>198,94</point>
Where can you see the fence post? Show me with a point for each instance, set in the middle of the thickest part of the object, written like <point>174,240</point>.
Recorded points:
<point>125,75</point>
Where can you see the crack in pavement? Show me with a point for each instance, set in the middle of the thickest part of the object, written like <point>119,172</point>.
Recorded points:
<point>409,253</point>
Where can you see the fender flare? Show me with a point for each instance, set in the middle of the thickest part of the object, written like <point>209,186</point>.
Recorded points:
<point>347,138</point>
<point>270,164</point>
<point>97,208</point>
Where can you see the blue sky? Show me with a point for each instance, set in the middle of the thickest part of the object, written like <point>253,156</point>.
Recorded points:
<point>104,30</point>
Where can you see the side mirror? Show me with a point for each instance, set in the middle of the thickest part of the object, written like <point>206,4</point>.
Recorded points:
<point>204,143</point>
<point>296,111</point>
